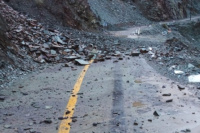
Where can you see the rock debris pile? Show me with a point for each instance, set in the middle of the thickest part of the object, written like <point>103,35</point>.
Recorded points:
<point>32,40</point>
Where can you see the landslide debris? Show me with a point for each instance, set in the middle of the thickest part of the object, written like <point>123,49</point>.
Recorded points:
<point>32,42</point>
<point>13,59</point>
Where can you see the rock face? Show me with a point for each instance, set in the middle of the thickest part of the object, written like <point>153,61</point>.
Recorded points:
<point>168,9</point>
<point>4,43</point>
<point>72,13</point>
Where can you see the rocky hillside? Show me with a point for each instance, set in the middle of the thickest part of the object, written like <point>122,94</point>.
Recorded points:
<point>89,14</point>
<point>71,13</point>
<point>168,9</point>
<point>13,58</point>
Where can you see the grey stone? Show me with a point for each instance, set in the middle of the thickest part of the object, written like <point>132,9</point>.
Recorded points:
<point>169,94</point>
<point>135,53</point>
<point>190,66</point>
<point>45,45</point>
<point>2,98</point>
<point>57,39</point>
<point>81,62</point>
<point>47,121</point>
<point>170,100</point>
<point>53,52</point>
<point>48,107</point>
<point>155,113</point>
<point>180,87</point>
<point>7,126</point>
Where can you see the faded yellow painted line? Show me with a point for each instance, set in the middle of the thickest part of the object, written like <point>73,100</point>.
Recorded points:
<point>67,117</point>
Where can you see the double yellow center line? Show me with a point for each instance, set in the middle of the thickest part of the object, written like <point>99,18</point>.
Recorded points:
<point>69,111</point>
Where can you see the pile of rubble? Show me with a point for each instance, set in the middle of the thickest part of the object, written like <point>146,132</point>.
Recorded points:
<point>42,45</point>
<point>179,58</point>
<point>47,45</point>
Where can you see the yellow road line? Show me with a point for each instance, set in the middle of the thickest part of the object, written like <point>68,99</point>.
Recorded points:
<point>65,124</point>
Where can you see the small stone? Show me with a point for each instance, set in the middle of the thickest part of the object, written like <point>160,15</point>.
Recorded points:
<point>186,131</point>
<point>2,98</point>
<point>117,53</point>
<point>116,42</point>
<point>48,121</point>
<point>24,93</point>
<point>53,52</point>
<point>21,86</point>
<point>35,105</point>
<point>7,126</point>
<point>33,131</point>
<point>95,60</point>
<point>101,59</point>
<point>170,100</point>
<point>144,50</point>
<point>135,123</point>
<point>95,124</point>
<point>67,112</point>
<point>120,58</point>
<point>45,45</point>
<point>30,124</point>
<point>74,120</point>
<point>135,53</point>
<point>163,86</point>
<point>108,57</point>
<point>180,87</point>
<point>156,113</point>
<point>62,118</point>
<point>178,72</point>
<point>74,69</point>
<point>81,62</point>
<point>57,39</point>
<point>67,65</point>
<point>48,107</point>
<point>167,95</point>
<point>190,66</point>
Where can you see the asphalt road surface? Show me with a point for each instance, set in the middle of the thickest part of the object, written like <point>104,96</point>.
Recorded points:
<point>114,97</point>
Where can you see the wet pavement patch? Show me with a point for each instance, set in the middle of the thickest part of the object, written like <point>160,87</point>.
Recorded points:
<point>118,122</point>
<point>138,104</point>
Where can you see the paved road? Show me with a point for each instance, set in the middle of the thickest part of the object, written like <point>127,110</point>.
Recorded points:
<point>114,98</point>
<point>158,37</point>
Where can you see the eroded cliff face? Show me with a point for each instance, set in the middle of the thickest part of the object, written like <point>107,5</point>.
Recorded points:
<point>159,10</point>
